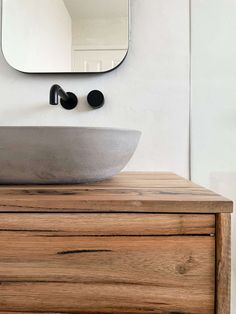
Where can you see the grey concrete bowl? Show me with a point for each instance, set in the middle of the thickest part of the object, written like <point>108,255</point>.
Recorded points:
<point>61,155</point>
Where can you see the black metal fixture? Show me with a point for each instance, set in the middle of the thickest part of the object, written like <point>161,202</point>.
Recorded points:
<point>96,99</point>
<point>68,100</point>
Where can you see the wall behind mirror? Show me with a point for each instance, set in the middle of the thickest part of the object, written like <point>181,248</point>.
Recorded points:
<point>56,36</point>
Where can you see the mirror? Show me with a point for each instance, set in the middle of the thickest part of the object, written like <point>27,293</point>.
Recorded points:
<point>65,36</point>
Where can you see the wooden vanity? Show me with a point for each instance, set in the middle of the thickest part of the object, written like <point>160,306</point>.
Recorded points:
<point>138,243</point>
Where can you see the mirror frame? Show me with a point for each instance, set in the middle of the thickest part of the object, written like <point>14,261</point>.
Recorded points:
<point>67,73</point>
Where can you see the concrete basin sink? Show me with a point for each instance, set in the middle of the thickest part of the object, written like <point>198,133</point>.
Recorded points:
<point>61,155</point>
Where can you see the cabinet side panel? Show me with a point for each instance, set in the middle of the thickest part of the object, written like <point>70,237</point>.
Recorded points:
<point>223,263</point>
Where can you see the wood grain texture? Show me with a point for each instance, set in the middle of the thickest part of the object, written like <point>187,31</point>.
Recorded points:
<point>107,274</point>
<point>109,224</point>
<point>127,192</point>
<point>138,243</point>
<point>223,263</point>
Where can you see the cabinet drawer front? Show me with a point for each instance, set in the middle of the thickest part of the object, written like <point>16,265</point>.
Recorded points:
<point>109,224</point>
<point>122,274</point>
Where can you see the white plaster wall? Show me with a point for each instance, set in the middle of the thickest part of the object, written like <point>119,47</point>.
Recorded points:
<point>51,22</point>
<point>149,91</point>
<point>214,102</point>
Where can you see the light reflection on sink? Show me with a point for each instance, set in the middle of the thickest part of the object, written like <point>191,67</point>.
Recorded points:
<point>61,155</point>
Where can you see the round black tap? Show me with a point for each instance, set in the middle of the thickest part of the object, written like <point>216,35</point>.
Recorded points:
<point>96,99</point>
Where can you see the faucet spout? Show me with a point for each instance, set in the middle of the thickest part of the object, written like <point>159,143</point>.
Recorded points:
<point>55,92</point>
<point>68,100</point>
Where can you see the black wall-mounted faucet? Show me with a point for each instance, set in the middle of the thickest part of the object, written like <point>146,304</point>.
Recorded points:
<point>68,100</point>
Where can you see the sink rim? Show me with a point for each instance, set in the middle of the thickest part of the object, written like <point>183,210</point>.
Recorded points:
<point>70,127</point>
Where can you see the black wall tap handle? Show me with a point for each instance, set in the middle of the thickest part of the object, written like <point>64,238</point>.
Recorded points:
<point>96,99</point>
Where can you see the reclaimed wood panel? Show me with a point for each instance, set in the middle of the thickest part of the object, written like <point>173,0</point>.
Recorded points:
<point>109,224</point>
<point>223,263</point>
<point>170,274</point>
<point>135,192</point>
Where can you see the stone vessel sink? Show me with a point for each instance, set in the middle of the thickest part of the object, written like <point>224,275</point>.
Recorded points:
<point>61,155</point>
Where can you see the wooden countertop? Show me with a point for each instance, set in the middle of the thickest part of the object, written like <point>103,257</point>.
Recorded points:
<point>127,192</point>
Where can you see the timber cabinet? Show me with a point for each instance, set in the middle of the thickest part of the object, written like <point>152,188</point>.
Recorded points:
<point>138,243</point>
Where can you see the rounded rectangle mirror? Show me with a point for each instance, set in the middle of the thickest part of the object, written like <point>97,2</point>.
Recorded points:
<point>65,36</point>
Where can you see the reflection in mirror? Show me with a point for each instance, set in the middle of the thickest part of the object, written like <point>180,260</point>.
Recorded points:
<point>49,36</point>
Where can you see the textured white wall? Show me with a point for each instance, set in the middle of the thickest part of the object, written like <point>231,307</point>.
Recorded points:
<point>149,91</point>
<point>214,102</point>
